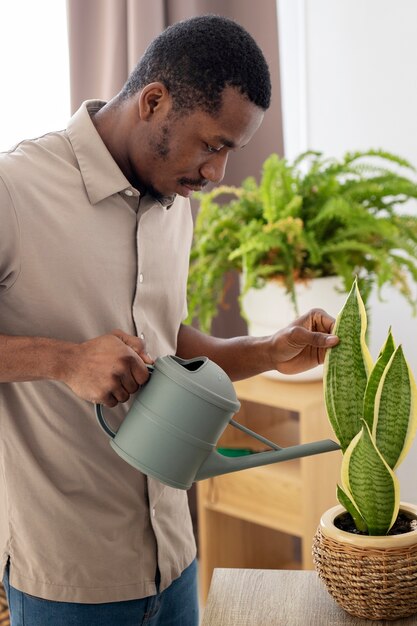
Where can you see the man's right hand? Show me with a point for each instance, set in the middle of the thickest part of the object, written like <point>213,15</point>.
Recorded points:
<point>107,369</point>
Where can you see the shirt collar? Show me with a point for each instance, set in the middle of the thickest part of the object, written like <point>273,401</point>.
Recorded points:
<point>101,175</point>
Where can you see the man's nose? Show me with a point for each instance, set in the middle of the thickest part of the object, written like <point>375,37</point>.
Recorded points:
<point>214,168</point>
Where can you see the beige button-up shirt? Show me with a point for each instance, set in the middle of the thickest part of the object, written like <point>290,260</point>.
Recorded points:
<point>81,253</point>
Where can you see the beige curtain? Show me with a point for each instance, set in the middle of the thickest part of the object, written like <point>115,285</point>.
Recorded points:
<point>106,39</point>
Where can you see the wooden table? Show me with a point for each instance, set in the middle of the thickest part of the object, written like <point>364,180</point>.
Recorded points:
<point>256,597</point>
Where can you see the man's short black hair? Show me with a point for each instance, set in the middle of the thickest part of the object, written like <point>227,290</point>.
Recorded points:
<point>197,58</point>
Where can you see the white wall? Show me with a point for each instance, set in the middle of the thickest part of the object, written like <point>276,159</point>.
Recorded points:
<point>349,81</point>
<point>34,69</point>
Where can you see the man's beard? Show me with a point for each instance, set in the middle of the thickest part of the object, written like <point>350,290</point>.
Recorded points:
<point>161,144</point>
<point>155,193</point>
<point>162,148</point>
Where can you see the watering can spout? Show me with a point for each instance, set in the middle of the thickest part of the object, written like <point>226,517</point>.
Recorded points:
<point>217,464</point>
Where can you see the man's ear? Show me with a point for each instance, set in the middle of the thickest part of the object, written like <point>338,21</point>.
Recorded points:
<point>154,100</point>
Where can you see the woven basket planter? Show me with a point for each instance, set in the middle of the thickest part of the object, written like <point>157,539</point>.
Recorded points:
<point>4,608</point>
<point>369,577</point>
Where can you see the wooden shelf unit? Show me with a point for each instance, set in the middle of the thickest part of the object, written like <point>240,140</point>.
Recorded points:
<point>266,517</point>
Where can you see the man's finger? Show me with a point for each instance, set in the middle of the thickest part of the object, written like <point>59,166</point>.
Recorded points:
<point>139,371</point>
<point>135,343</point>
<point>300,337</point>
<point>129,383</point>
<point>316,320</point>
<point>120,393</point>
<point>109,400</point>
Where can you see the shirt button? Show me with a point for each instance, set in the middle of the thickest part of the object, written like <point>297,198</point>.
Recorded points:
<point>128,192</point>
<point>141,278</point>
<point>142,336</point>
<point>153,512</point>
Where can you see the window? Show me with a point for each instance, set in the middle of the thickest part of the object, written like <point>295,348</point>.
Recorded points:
<point>34,69</point>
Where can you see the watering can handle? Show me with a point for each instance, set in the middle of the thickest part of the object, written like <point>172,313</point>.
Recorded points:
<point>99,412</point>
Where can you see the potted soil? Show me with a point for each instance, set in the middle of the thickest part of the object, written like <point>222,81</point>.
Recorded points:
<point>365,550</point>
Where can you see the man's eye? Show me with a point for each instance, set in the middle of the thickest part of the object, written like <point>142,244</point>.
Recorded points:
<point>212,149</point>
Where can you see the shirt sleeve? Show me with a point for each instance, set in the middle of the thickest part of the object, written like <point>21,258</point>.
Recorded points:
<point>9,240</point>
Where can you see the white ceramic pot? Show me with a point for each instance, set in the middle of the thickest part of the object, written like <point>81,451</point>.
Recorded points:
<point>270,309</point>
<point>371,577</point>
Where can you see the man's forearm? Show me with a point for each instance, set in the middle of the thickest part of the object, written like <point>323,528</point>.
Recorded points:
<point>240,357</point>
<point>32,358</point>
<point>106,369</point>
<point>295,348</point>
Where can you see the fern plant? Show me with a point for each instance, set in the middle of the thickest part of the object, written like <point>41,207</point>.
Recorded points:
<point>314,217</point>
<point>372,409</point>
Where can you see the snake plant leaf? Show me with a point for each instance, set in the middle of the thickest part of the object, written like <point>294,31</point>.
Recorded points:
<point>374,378</point>
<point>346,370</point>
<point>346,502</point>
<point>370,483</point>
<point>395,419</point>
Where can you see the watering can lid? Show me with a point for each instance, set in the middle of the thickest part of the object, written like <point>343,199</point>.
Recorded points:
<point>202,377</point>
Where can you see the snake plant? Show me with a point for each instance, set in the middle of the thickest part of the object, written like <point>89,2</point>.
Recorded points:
<point>372,408</point>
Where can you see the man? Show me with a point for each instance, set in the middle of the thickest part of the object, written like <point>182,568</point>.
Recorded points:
<point>96,234</point>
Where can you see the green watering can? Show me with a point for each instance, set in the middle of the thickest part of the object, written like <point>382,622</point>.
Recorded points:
<point>176,419</point>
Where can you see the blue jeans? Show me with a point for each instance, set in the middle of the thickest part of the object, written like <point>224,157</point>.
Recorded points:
<point>175,606</point>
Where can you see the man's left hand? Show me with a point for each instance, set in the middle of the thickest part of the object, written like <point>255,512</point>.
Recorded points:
<point>302,344</point>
